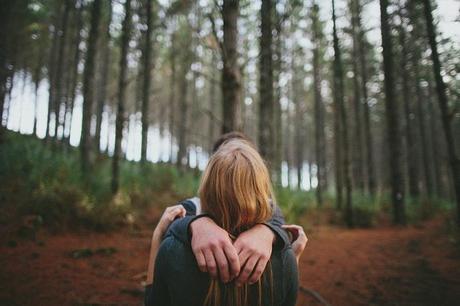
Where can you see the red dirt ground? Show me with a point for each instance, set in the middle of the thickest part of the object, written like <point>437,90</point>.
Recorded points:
<point>385,266</point>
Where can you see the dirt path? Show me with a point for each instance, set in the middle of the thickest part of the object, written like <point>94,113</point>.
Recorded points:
<point>412,266</point>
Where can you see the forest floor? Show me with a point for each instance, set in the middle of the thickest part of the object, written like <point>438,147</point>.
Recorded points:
<point>382,266</point>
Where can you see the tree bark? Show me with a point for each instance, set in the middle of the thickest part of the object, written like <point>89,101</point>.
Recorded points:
<point>172,97</point>
<point>393,122</point>
<point>371,182</point>
<point>183,87</point>
<point>147,80</point>
<point>358,172</point>
<point>320,151</point>
<point>74,72</point>
<point>102,93</point>
<point>443,104</point>
<point>120,113</point>
<point>59,68</point>
<point>88,87</point>
<point>339,101</point>
<point>231,78</point>
<point>52,65</point>
<point>411,144</point>
<point>266,110</point>
<point>278,132</point>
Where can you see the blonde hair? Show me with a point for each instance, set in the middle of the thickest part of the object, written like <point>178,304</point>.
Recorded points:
<point>235,190</point>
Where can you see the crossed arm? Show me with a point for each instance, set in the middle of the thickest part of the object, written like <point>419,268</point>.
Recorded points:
<point>243,260</point>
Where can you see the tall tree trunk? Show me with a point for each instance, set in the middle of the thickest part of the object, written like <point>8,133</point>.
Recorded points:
<point>422,128</point>
<point>102,93</point>
<point>371,184</point>
<point>37,79</point>
<point>88,86</point>
<point>446,117</point>
<point>393,122</point>
<point>337,132</point>
<point>59,68</point>
<point>120,113</point>
<point>266,117</point>
<point>74,72</point>
<point>339,101</point>
<point>231,78</point>
<point>172,97</point>
<point>147,80</point>
<point>411,144</point>
<point>278,132</point>
<point>435,143</point>
<point>52,72</point>
<point>318,109</point>
<point>183,106</point>
<point>298,126</point>
<point>212,105</point>
<point>358,171</point>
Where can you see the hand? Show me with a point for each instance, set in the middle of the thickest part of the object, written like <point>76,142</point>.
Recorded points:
<point>213,250</point>
<point>299,240</point>
<point>169,215</point>
<point>254,248</point>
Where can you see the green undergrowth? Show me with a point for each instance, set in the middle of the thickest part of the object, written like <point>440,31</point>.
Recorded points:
<point>46,183</point>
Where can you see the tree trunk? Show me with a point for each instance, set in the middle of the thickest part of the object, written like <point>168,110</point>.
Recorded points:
<point>337,133</point>
<point>358,172</point>
<point>422,127</point>
<point>74,72</point>
<point>443,104</point>
<point>172,97</point>
<point>59,68</point>
<point>52,74</point>
<point>435,143</point>
<point>318,109</point>
<point>231,79</point>
<point>393,129</point>
<point>266,117</point>
<point>183,87</point>
<point>411,144</point>
<point>88,86</point>
<point>278,66</point>
<point>371,184</point>
<point>339,101</point>
<point>120,113</point>
<point>102,92</point>
<point>212,106</point>
<point>147,80</point>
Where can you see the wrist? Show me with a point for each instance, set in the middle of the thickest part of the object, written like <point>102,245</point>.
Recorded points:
<point>200,219</point>
<point>268,231</point>
<point>157,234</point>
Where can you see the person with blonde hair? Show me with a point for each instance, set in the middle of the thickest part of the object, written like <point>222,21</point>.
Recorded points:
<point>236,193</point>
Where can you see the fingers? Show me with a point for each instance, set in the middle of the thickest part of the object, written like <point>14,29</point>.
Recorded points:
<point>295,230</point>
<point>210,263</point>
<point>247,270</point>
<point>258,270</point>
<point>233,260</point>
<point>201,261</point>
<point>222,264</point>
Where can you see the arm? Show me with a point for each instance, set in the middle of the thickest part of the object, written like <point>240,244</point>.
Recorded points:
<point>291,279</point>
<point>167,218</point>
<point>255,246</point>
<point>157,293</point>
<point>252,249</point>
<point>299,239</point>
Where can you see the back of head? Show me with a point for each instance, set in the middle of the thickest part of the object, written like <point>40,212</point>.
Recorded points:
<point>235,191</point>
<point>235,188</point>
<point>234,135</point>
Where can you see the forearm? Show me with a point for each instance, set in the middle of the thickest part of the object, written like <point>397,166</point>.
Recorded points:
<point>155,245</point>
